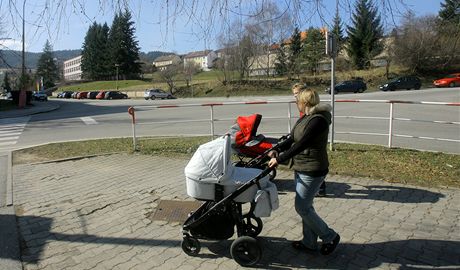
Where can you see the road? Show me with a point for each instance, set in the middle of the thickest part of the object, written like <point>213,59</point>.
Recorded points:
<point>90,119</point>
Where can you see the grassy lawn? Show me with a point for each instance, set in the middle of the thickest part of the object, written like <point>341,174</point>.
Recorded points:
<point>376,162</point>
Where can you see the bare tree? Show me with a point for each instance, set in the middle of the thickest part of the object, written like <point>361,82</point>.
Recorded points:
<point>416,43</point>
<point>170,75</point>
<point>189,70</point>
<point>207,16</point>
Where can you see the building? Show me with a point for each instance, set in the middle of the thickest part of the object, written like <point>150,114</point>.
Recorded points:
<point>204,59</point>
<point>264,64</point>
<point>163,62</point>
<point>72,69</point>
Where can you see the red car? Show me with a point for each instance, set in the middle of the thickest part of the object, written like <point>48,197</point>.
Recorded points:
<point>82,95</point>
<point>101,95</point>
<point>451,80</point>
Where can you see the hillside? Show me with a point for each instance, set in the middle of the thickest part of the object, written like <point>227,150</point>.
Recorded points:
<point>10,58</point>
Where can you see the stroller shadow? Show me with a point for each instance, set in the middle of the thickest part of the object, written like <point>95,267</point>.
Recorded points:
<point>389,193</point>
<point>409,254</point>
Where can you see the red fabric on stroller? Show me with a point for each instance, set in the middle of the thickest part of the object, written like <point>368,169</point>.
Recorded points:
<point>245,139</point>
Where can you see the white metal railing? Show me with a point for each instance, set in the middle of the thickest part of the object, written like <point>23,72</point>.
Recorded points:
<point>390,118</point>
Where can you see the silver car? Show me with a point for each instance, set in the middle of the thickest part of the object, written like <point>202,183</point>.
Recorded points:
<point>156,93</point>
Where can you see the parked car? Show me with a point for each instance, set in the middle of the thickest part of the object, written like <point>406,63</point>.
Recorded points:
<point>92,94</point>
<point>354,86</point>
<point>6,96</point>
<point>100,95</point>
<point>82,95</point>
<point>74,95</point>
<point>65,94</point>
<point>115,95</point>
<point>451,80</point>
<point>405,82</point>
<point>40,96</point>
<point>156,93</point>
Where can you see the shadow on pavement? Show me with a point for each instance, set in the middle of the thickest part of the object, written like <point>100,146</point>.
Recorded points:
<point>277,253</point>
<point>389,193</point>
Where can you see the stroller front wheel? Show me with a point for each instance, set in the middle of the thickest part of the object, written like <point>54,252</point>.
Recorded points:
<point>246,251</point>
<point>191,246</point>
<point>253,225</point>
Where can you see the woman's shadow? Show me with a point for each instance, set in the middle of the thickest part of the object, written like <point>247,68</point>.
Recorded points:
<point>277,253</point>
<point>390,193</point>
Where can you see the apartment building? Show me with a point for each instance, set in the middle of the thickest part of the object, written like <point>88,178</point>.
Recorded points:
<point>72,69</point>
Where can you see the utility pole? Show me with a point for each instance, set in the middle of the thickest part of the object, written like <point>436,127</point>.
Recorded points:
<point>22,93</point>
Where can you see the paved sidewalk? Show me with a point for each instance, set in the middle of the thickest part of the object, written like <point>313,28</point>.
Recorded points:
<point>96,213</point>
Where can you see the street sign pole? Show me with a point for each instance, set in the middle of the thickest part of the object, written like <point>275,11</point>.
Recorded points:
<point>331,52</point>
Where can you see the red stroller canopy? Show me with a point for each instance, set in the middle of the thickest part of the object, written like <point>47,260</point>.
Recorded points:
<point>248,128</point>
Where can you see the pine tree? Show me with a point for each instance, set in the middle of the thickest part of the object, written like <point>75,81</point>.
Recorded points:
<point>88,53</point>
<point>95,61</point>
<point>313,49</point>
<point>295,50</point>
<point>281,66</point>
<point>364,35</point>
<point>47,68</point>
<point>124,49</point>
<point>450,11</point>
<point>337,30</point>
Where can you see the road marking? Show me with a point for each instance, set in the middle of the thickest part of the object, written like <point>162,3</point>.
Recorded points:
<point>9,138</point>
<point>89,120</point>
<point>11,129</point>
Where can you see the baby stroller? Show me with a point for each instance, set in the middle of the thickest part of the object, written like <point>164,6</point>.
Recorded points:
<point>224,188</point>
<point>252,149</point>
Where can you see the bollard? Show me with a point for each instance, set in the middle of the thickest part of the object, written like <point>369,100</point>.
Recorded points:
<point>131,111</point>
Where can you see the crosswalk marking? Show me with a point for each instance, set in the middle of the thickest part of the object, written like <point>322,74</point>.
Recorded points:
<point>11,129</point>
<point>89,120</point>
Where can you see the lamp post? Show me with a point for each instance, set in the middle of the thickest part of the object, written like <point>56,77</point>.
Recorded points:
<point>22,93</point>
<point>117,65</point>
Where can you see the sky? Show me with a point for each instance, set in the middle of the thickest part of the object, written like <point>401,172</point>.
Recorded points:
<point>65,22</point>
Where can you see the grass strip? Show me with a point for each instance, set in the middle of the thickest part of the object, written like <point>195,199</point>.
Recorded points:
<point>419,168</point>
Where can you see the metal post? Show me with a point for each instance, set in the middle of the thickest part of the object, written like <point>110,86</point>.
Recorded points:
<point>131,111</point>
<point>390,131</point>
<point>212,121</point>
<point>331,51</point>
<point>331,146</point>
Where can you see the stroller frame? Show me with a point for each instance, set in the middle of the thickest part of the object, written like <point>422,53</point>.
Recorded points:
<point>260,160</point>
<point>245,250</point>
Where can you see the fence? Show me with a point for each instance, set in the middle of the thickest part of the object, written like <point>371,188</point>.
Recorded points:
<point>290,116</point>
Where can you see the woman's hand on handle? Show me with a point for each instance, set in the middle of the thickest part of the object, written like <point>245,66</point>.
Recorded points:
<point>273,163</point>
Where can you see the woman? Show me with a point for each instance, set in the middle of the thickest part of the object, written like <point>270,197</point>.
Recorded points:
<point>295,92</point>
<point>306,150</point>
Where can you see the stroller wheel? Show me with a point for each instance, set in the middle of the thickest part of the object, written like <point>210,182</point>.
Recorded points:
<point>253,225</point>
<point>191,246</point>
<point>246,251</point>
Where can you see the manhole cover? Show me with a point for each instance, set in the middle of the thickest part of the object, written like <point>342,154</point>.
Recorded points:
<point>174,211</point>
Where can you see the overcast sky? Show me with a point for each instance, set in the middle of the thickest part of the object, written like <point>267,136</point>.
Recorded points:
<point>183,34</point>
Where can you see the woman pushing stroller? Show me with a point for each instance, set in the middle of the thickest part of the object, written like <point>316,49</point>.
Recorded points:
<point>306,152</point>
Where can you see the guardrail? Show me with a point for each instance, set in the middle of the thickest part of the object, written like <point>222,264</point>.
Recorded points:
<point>290,116</point>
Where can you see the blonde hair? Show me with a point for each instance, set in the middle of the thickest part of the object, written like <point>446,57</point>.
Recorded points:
<point>300,86</point>
<point>309,97</point>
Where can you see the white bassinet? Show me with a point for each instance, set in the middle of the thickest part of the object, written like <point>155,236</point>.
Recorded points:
<point>211,165</point>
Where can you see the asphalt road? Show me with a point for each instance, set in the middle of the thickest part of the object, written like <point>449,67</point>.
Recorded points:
<point>90,119</point>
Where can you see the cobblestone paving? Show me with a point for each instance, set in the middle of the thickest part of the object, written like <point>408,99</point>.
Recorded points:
<point>93,214</point>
